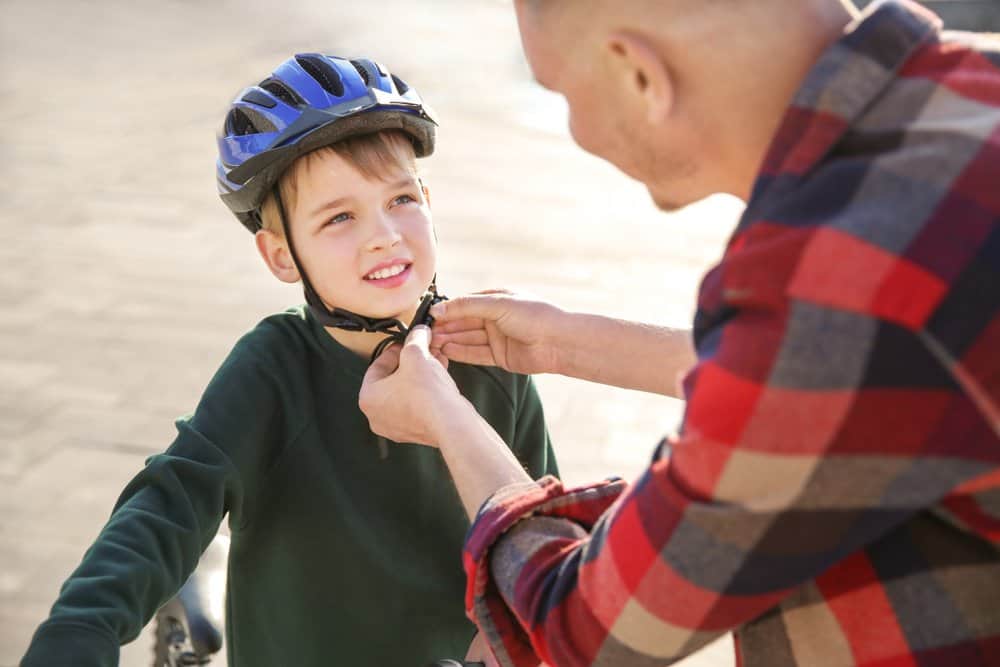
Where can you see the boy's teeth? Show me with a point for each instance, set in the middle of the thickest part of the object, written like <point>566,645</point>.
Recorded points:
<point>381,274</point>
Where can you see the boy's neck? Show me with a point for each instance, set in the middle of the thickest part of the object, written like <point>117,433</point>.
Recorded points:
<point>363,343</point>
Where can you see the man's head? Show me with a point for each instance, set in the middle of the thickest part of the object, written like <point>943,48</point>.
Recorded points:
<point>683,95</point>
<point>361,225</point>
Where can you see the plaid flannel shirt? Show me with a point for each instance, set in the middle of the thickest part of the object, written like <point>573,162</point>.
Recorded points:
<point>834,492</point>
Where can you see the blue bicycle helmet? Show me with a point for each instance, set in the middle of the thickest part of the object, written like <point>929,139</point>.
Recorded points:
<point>310,101</point>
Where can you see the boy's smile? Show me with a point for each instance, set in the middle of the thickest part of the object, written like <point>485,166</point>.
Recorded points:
<point>390,274</point>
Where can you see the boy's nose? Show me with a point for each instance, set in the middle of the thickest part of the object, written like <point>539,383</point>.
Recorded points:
<point>384,234</point>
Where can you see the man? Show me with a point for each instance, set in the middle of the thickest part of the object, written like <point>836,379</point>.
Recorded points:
<point>834,493</point>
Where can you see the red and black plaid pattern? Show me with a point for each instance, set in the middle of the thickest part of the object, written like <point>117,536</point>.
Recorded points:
<point>834,492</point>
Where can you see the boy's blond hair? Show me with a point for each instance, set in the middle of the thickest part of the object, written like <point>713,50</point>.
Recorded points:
<point>377,156</point>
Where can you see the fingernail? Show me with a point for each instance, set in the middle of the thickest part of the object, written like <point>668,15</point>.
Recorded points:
<point>437,310</point>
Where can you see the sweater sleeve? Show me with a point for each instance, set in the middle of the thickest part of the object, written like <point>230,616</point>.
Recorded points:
<point>165,518</point>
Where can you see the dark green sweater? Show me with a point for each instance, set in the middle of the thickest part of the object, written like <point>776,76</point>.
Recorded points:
<point>338,556</point>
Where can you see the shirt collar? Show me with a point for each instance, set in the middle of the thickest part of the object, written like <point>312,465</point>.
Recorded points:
<point>845,81</point>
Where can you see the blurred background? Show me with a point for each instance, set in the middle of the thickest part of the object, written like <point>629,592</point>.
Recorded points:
<point>124,281</point>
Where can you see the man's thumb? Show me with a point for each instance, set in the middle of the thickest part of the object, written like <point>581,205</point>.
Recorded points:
<point>385,364</point>
<point>419,338</point>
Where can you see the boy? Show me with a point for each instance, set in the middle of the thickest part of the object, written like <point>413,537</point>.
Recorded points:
<point>342,552</point>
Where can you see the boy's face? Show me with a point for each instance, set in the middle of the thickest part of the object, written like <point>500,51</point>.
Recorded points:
<point>367,245</point>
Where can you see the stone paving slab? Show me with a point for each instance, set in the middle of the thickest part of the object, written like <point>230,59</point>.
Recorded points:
<point>124,282</point>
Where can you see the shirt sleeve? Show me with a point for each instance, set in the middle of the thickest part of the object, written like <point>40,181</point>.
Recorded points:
<point>815,424</point>
<point>164,519</point>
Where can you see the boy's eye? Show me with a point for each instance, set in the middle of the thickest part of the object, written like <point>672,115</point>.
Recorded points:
<point>403,199</point>
<point>339,218</point>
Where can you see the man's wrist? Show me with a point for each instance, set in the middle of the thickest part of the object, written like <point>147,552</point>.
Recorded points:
<point>479,460</point>
<point>452,410</point>
<point>561,342</point>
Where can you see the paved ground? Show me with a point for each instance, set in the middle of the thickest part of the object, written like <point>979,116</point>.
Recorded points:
<point>123,281</point>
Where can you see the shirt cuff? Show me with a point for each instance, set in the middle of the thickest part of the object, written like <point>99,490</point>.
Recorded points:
<point>71,645</point>
<point>510,505</point>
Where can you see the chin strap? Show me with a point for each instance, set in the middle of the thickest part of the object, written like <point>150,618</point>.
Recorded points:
<point>396,330</point>
<point>339,318</point>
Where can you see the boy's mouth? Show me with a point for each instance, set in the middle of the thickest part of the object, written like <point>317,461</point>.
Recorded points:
<point>389,275</point>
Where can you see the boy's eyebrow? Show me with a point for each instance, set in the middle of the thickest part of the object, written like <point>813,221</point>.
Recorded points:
<point>340,201</point>
<point>409,180</point>
<point>333,203</point>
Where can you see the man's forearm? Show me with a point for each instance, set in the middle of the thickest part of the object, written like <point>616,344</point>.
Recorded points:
<point>479,461</point>
<point>631,355</point>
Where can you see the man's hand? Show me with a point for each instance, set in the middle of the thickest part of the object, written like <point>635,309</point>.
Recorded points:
<point>406,390</point>
<point>498,328</point>
<point>408,396</point>
<point>479,651</point>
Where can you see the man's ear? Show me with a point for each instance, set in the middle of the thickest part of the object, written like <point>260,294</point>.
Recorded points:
<point>274,251</point>
<point>644,73</point>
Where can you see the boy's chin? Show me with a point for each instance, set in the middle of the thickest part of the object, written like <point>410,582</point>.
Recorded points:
<point>404,316</point>
<point>401,308</point>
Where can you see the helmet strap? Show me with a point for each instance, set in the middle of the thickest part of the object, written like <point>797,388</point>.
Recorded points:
<point>344,319</point>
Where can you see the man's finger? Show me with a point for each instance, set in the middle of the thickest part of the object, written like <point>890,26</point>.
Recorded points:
<point>494,290</point>
<point>385,364</point>
<point>476,337</point>
<point>455,325</point>
<point>477,355</point>
<point>482,306</point>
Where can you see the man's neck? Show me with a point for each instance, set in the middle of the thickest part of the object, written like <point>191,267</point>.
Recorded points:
<point>781,61</point>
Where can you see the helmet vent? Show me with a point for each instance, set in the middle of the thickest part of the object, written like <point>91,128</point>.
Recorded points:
<point>282,92</point>
<point>323,72</point>
<point>259,98</point>
<point>401,86</point>
<point>362,72</point>
<point>241,122</point>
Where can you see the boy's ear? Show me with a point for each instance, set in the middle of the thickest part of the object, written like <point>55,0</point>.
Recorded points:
<point>643,73</point>
<point>274,251</point>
